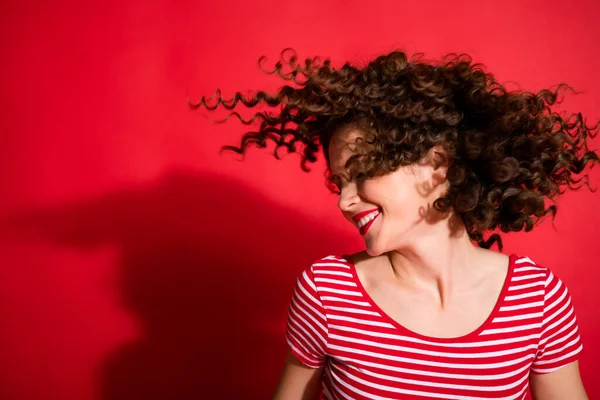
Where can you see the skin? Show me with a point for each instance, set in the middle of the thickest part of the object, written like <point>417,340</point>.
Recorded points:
<point>416,255</point>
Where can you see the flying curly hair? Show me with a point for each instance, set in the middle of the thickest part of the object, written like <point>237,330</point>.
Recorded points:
<point>507,151</point>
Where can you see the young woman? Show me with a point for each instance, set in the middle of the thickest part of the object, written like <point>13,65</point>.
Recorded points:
<point>426,157</point>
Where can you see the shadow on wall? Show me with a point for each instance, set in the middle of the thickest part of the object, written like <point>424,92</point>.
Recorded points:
<point>208,267</point>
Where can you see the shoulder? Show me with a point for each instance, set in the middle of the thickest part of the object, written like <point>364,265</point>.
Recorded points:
<point>324,269</point>
<point>332,260</point>
<point>525,267</point>
<point>330,263</point>
<point>527,272</point>
<point>332,275</point>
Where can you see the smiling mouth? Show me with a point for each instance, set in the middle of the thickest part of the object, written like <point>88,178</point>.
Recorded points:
<point>365,222</point>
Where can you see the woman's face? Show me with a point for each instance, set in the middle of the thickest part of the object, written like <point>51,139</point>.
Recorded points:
<point>388,211</point>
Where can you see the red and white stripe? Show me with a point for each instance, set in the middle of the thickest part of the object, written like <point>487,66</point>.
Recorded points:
<point>335,325</point>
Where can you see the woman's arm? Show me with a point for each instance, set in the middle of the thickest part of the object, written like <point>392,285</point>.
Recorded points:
<point>307,333</point>
<point>297,381</point>
<point>563,384</point>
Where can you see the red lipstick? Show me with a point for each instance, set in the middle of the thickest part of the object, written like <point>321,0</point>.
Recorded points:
<point>358,216</point>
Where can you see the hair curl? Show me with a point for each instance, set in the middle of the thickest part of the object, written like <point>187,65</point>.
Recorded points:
<point>507,150</point>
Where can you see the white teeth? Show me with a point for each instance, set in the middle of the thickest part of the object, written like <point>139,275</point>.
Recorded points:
<point>367,218</point>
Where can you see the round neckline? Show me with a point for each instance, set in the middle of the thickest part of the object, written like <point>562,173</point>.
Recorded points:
<point>408,332</point>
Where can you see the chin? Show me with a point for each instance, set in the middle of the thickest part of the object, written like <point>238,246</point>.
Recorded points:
<point>373,253</point>
<point>374,250</point>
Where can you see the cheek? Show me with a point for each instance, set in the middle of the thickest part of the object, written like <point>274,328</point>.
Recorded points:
<point>400,203</point>
<point>386,193</point>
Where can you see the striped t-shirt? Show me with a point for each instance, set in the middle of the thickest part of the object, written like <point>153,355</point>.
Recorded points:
<point>333,323</point>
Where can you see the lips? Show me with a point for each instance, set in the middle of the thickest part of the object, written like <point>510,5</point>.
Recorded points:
<point>358,216</point>
<point>371,216</point>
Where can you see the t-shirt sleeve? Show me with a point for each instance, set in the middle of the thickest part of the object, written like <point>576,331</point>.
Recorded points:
<point>560,343</point>
<point>306,331</point>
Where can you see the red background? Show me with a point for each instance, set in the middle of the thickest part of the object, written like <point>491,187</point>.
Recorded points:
<point>138,263</point>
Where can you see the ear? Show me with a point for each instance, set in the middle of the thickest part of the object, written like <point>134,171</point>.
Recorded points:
<point>438,169</point>
<point>433,168</point>
<point>437,158</point>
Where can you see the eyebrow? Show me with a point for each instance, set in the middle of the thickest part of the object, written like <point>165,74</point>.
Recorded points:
<point>337,178</point>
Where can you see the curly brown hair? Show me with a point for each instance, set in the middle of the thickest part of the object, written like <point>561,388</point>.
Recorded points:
<point>507,150</point>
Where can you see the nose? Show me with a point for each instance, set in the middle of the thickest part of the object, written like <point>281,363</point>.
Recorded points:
<point>348,198</point>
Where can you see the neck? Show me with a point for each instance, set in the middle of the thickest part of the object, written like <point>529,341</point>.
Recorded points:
<point>437,262</point>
